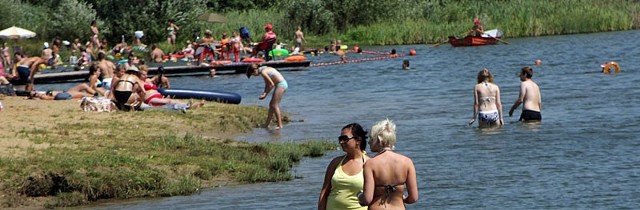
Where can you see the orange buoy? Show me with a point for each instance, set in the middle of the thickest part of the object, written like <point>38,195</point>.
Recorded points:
<point>295,58</point>
<point>610,66</point>
<point>412,52</point>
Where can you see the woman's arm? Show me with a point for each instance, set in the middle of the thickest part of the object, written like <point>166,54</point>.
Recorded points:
<point>499,104</point>
<point>369,186</point>
<point>475,105</point>
<point>412,184</point>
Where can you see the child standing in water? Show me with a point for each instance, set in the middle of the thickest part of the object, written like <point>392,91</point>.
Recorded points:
<point>272,80</point>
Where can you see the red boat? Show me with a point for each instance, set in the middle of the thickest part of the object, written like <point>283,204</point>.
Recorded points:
<point>489,37</point>
<point>471,41</point>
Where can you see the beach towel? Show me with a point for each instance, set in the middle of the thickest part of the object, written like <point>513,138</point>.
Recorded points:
<point>97,104</point>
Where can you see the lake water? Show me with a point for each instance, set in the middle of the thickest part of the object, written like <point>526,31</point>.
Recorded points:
<point>584,154</point>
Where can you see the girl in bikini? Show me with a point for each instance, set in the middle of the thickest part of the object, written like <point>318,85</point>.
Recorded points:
<point>487,106</point>
<point>272,80</point>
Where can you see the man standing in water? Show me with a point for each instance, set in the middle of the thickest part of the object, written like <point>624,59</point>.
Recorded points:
<point>529,96</point>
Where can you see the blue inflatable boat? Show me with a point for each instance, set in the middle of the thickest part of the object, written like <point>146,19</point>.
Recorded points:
<point>209,95</point>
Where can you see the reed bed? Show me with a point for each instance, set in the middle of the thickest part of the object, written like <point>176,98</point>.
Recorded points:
<point>517,18</point>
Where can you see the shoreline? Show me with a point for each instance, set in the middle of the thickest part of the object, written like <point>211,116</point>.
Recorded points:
<point>52,154</point>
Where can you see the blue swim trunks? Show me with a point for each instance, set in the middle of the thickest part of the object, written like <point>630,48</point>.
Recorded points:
<point>283,84</point>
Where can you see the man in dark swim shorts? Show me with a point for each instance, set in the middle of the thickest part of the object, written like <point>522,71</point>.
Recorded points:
<point>529,97</point>
<point>529,115</point>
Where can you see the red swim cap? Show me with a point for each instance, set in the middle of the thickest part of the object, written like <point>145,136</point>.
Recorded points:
<point>476,21</point>
<point>268,27</point>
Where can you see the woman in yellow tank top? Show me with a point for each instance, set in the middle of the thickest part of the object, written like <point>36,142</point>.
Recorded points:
<point>344,179</point>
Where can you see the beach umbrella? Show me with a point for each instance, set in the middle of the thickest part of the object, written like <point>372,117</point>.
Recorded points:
<point>212,17</point>
<point>16,33</point>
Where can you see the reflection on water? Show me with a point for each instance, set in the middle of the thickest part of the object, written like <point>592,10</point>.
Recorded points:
<point>582,156</point>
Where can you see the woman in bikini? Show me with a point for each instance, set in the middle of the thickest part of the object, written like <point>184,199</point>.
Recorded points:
<point>388,174</point>
<point>95,40</point>
<point>343,179</point>
<point>94,81</point>
<point>160,80</point>
<point>127,91</point>
<point>154,98</point>
<point>487,106</point>
<point>272,80</point>
<point>172,29</point>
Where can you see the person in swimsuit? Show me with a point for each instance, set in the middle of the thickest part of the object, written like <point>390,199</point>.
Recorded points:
<point>106,68</point>
<point>487,106</point>
<point>529,96</point>
<point>172,29</point>
<point>27,68</point>
<point>155,99</point>
<point>78,91</point>
<point>127,91</point>
<point>236,46</point>
<point>160,80</point>
<point>272,80</point>
<point>95,40</point>
<point>388,174</point>
<point>343,179</point>
<point>6,55</point>
<point>299,38</point>
<point>94,82</point>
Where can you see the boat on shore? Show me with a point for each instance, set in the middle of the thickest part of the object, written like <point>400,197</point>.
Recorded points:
<point>489,37</point>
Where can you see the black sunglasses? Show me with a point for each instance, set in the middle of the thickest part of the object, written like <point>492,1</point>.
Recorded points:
<point>344,138</point>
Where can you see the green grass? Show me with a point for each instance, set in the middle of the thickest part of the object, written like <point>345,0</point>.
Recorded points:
<point>90,160</point>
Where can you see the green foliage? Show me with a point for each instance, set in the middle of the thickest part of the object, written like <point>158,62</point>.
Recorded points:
<point>312,15</point>
<point>355,22</point>
<point>71,19</point>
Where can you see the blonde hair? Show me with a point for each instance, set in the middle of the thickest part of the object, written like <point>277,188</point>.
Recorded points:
<point>385,132</point>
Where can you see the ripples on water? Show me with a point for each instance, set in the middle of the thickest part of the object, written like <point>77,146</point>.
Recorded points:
<point>583,155</point>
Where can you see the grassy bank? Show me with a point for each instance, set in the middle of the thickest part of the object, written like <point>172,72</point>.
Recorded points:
<point>54,155</point>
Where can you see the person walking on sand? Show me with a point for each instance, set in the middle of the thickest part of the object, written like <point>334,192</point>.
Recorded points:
<point>487,106</point>
<point>343,178</point>
<point>388,174</point>
<point>529,96</point>
<point>272,80</point>
<point>299,37</point>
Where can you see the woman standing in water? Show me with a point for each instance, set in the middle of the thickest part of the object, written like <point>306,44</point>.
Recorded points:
<point>388,174</point>
<point>343,179</point>
<point>272,80</point>
<point>487,106</point>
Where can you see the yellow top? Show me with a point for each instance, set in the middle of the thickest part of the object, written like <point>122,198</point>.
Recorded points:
<point>345,189</point>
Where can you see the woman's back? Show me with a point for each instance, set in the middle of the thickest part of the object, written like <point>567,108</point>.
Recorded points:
<point>488,94</point>
<point>390,171</point>
<point>126,82</point>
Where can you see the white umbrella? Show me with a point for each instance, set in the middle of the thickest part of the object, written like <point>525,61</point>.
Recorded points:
<point>16,33</point>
